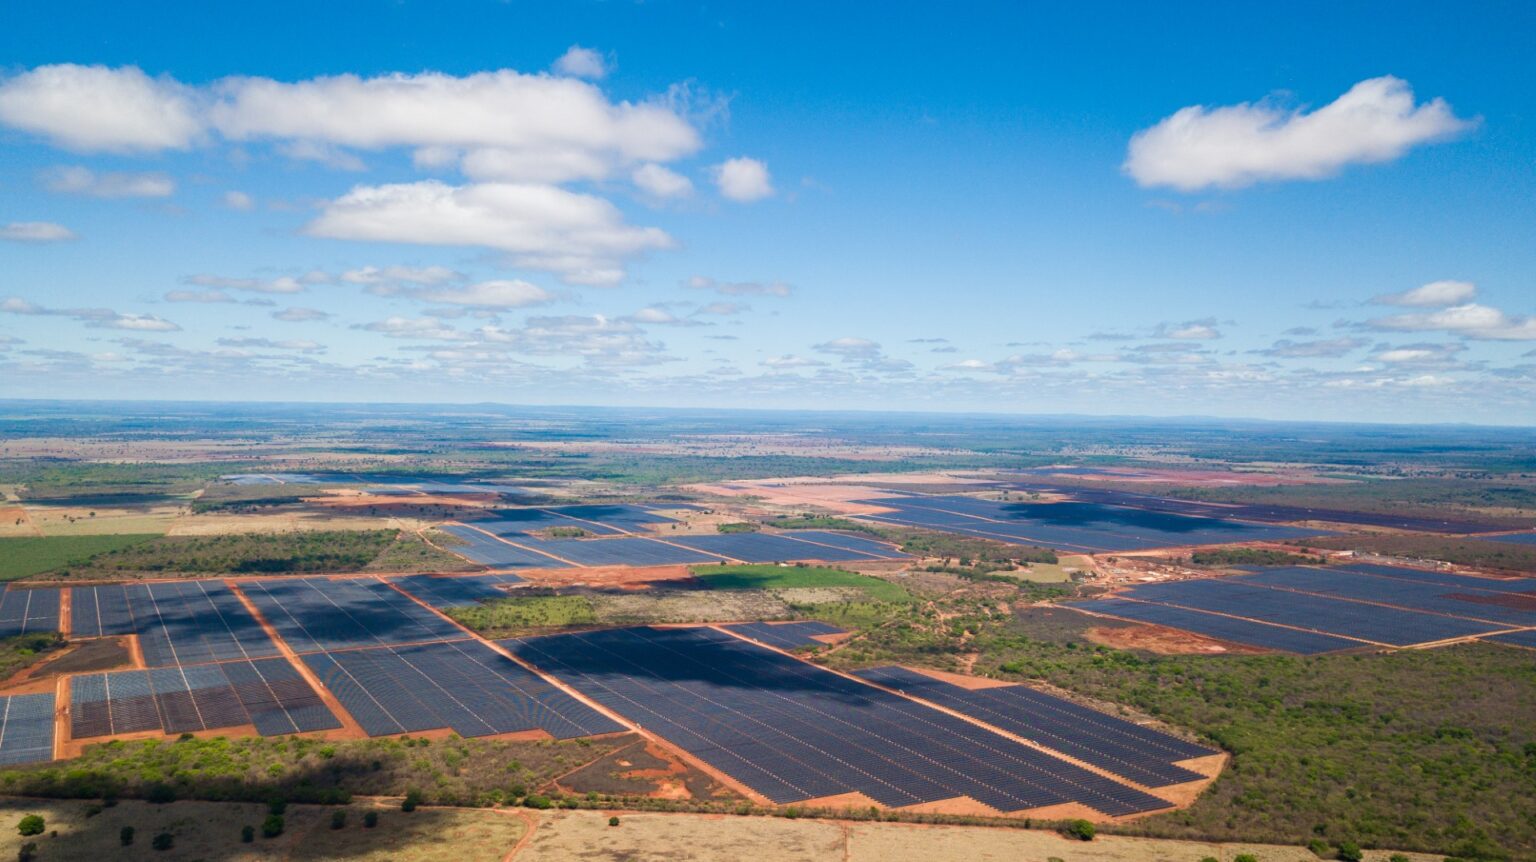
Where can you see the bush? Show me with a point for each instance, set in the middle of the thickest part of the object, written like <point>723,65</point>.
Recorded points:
<point>338,819</point>
<point>272,826</point>
<point>160,793</point>
<point>539,802</point>
<point>1319,848</point>
<point>163,841</point>
<point>370,820</point>
<point>32,824</point>
<point>247,834</point>
<point>1398,857</point>
<point>125,835</point>
<point>613,821</point>
<point>1209,859</point>
<point>412,799</point>
<point>1245,857</point>
<point>1349,851</point>
<point>277,806</point>
<point>1082,830</point>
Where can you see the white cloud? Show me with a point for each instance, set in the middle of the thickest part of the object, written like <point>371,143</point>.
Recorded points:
<point>850,348</point>
<point>1239,145</point>
<point>300,344</point>
<point>1329,348</point>
<point>372,275</point>
<point>579,62</point>
<point>743,179</point>
<point>1470,320</point>
<point>1436,294</point>
<point>206,296</point>
<point>283,284</point>
<point>581,238</point>
<point>239,201</point>
<point>739,288</point>
<point>99,318</point>
<point>1418,354</point>
<point>1190,330</point>
<point>300,315</point>
<point>791,361</point>
<point>79,180</point>
<point>97,109</point>
<point>723,309</point>
<point>506,293</point>
<point>660,182</point>
<point>36,231</point>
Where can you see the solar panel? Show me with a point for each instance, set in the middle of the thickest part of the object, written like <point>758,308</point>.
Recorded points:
<point>265,692</point>
<point>26,728</point>
<point>785,635</point>
<point>1225,628</point>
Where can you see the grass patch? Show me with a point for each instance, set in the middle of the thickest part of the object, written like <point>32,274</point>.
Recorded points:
<point>1494,554</point>
<point>1251,557</point>
<point>821,522</point>
<point>767,576</point>
<point>738,527</point>
<point>33,555</point>
<point>408,553</point>
<point>520,613</point>
<point>23,650</point>
<point>244,553</point>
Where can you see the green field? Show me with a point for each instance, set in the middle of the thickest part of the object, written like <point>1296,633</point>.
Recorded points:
<point>243,553</point>
<point>23,557</point>
<point>526,612</point>
<point>768,576</point>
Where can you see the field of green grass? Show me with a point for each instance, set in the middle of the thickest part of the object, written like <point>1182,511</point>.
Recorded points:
<point>768,576</point>
<point>32,555</point>
<point>240,553</point>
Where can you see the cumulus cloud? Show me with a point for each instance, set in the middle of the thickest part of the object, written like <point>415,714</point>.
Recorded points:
<point>212,295</point>
<point>660,182</point>
<point>239,201</point>
<point>789,361</point>
<point>97,109</point>
<point>100,318</point>
<point>739,288</point>
<point>1189,330</point>
<point>426,275</point>
<point>1200,147</point>
<point>300,344</point>
<point>743,179</point>
<point>36,231</point>
<point>579,62</point>
<point>1469,320</point>
<point>77,180</point>
<point>300,315</point>
<point>282,284</point>
<point>581,238</point>
<point>1436,294</point>
<point>1326,348</point>
<point>504,293</point>
<point>1418,354</point>
<point>850,348</point>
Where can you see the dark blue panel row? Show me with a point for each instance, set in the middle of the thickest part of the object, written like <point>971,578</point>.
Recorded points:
<point>770,548</point>
<point>491,551</point>
<point>457,591</point>
<point>1141,754</point>
<point>1526,638</point>
<point>317,614</point>
<point>1399,592</point>
<point>23,610</point>
<point>1458,583</point>
<point>621,551</point>
<point>793,731</point>
<point>785,635</point>
<point>1220,627</point>
<point>268,693</point>
<point>178,622</point>
<point>465,685</point>
<point>1383,625</point>
<point>26,728</point>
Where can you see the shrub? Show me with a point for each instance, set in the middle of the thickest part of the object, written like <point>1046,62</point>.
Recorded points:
<point>272,826</point>
<point>277,805</point>
<point>1398,857</point>
<point>1319,848</point>
<point>338,819</point>
<point>539,802</point>
<point>1082,830</point>
<point>32,824</point>
<point>1349,851</point>
<point>411,800</point>
<point>163,841</point>
<point>247,834</point>
<point>1245,857</point>
<point>613,821</point>
<point>1209,859</point>
<point>160,793</point>
<point>370,820</point>
<point>125,835</point>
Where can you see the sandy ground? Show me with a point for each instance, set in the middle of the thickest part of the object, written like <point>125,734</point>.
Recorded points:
<point>1166,641</point>
<point>586,835</point>
<point>214,524</point>
<point>623,577</point>
<point>79,520</point>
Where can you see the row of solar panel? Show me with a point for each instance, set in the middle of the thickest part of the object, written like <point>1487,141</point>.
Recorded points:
<point>1221,627</point>
<point>463,685</point>
<point>321,614</point>
<point>457,591</point>
<point>1466,600</point>
<point>792,731</point>
<point>178,622</point>
<point>1141,754</point>
<point>267,693</point>
<point>531,552</point>
<point>785,635</point>
<point>1087,527</point>
<point>26,728</point>
<point>1525,638</point>
<point>23,611</point>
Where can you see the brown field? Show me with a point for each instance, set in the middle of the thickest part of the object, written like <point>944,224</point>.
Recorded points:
<point>603,577</point>
<point>1166,641</point>
<point>220,523</point>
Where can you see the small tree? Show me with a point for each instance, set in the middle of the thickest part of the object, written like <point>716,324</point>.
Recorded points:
<point>277,805</point>
<point>1082,830</point>
<point>1349,851</point>
<point>613,821</point>
<point>272,826</point>
<point>163,841</point>
<point>125,835</point>
<point>160,793</point>
<point>247,834</point>
<point>412,799</point>
<point>338,819</point>
<point>32,824</point>
<point>370,820</point>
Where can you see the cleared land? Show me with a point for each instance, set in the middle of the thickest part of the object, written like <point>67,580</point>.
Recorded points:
<point>24,557</point>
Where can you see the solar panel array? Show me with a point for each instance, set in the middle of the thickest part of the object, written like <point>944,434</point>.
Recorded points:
<point>26,728</point>
<point>1525,638</point>
<point>1071,526</point>
<point>1221,627</point>
<point>793,545</point>
<point>518,550</point>
<point>490,551</point>
<point>785,635</point>
<point>1141,754</point>
<point>458,591</point>
<point>1344,583</point>
<point>464,685</point>
<point>23,611</point>
<point>792,731</point>
<point>267,693</point>
<point>621,551</point>
<point>178,622</point>
<point>319,614</point>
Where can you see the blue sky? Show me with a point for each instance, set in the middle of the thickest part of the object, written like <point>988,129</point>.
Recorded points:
<point>1321,213</point>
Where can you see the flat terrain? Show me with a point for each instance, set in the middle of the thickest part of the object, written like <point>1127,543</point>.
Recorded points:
<point>24,557</point>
